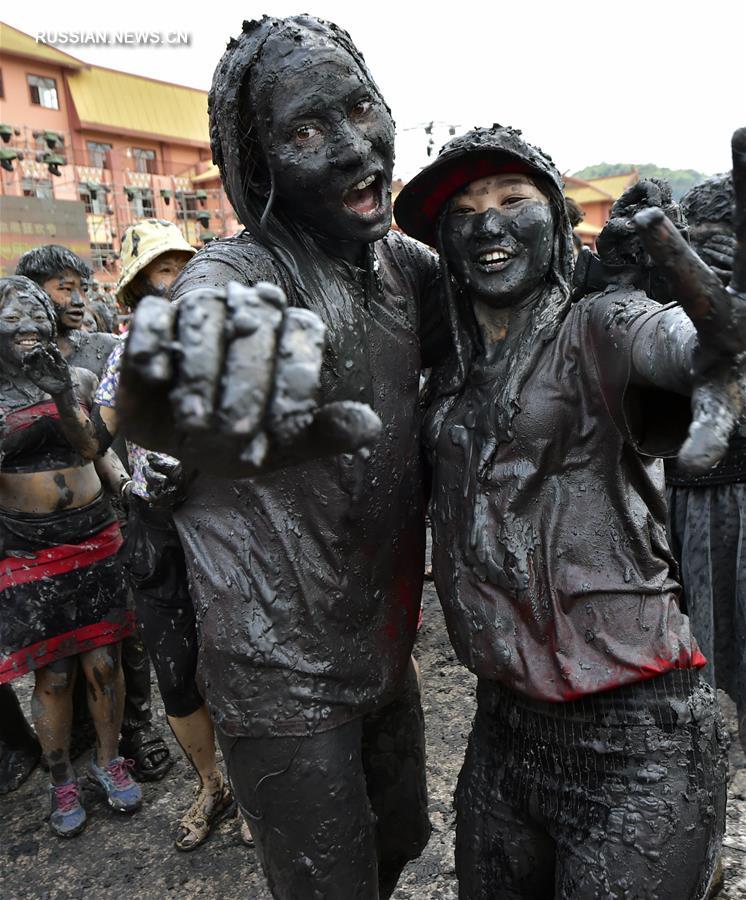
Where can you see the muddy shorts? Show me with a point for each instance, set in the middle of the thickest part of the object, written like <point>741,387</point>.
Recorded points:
<point>616,795</point>
<point>154,559</point>
<point>337,815</point>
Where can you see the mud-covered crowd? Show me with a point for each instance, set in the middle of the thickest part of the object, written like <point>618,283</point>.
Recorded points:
<point>234,491</point>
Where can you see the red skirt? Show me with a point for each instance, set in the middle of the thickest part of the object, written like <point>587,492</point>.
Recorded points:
<point>62,587</point>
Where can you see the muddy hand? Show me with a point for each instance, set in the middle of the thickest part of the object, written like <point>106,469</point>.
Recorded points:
<point>718,407</point>
<point>164,481</point>
<point>618,243</point>
<point>237,364</point>
<point>47,369</point>
<point>718,252</point>
<point>719,315</point>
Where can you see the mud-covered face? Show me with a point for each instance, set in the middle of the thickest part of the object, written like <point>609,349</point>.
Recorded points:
<point>498,238</point>
<point>24,326</point>
<point>330,144</point>
<point>68,291</point>
<point>157,277</point>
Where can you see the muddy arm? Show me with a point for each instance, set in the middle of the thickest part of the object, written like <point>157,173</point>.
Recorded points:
<point>714,346</point>
<point>112,473</point>
<point>48,370</point>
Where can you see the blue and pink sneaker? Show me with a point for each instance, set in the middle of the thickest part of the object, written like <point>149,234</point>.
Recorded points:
<point>122,791</point>
<point>68,816</point>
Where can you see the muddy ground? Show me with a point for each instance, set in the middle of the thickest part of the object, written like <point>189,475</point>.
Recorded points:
<point>135,858</point>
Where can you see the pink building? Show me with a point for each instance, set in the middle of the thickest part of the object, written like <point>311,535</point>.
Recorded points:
<point>83,143</point>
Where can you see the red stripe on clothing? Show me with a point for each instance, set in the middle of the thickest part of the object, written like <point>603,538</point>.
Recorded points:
<point>83,639</point>
<point>20,419</point>
<point>645,672</point>
<point>60,559</point>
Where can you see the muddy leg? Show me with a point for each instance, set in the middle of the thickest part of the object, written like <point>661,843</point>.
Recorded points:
<point>500,851</point>
<point>196,738</point>
<point>307,803</point>
<point>394,764</point>
<point>103,672</point>
<point>52,710</point>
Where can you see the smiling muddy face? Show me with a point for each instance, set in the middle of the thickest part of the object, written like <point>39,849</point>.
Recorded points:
<point>24,326</point>
<point>498,237</point>
<point>329,139</point>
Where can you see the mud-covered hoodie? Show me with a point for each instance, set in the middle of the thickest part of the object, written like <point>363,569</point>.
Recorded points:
<point>549,543</point>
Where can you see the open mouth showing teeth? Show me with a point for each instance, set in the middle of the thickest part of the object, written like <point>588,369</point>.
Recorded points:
<point>494,259</point>
<point>27,343</point>
<point>364,198</point>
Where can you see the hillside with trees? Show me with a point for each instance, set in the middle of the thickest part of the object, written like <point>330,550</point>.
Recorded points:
<point>679,179</point>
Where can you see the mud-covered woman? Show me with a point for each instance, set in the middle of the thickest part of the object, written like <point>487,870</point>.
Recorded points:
<point>596,766</point>
<point>306,580</point>
<point>62,589</point>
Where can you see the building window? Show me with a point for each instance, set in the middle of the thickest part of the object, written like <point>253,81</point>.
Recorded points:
<point>95,205</point>
<point>144,161</point>
<point>186,205</point>
<point>98,154</point>
<point>43,91</point>
<point>102,255</point>
<point>141,202</point>
<point>38,187</point>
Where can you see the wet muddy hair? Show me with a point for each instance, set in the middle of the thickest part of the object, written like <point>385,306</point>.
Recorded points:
<point>710,201</point>
<point>521,349</point>
<point>236,124</point>
<point>49,260</point>
<point>12,285</point>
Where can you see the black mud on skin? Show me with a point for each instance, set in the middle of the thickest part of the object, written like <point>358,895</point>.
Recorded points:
<point>526,234</point>
<point>66,495</point>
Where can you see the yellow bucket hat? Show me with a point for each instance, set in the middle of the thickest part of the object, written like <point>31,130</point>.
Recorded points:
<point>141,244</point>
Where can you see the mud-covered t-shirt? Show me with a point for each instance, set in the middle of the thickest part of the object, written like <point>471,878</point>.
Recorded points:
<point>307,581</point>
<point>552,565</point>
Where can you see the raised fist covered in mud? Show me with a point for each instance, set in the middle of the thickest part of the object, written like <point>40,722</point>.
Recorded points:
<point>719,316</point>
<point>645,245</point>
<point>228,380</point>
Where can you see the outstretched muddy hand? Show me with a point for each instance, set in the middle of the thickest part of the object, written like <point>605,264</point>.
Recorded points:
<point>164,481</point>
<point>230,377</point>
<point>718,314</point>
<point>47,369</point>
